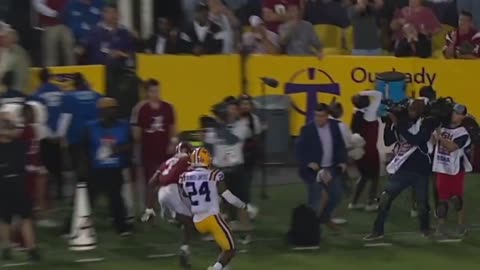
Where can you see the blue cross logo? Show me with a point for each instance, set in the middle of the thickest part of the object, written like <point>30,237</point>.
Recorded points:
<point>311,89</point>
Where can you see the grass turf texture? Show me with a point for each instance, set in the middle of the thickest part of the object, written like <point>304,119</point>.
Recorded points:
<point>269,250</point>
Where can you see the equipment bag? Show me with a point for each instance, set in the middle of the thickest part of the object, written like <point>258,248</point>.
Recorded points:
<point>305,227</point>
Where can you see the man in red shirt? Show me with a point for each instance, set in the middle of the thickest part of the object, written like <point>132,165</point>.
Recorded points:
<point>165,182</point>
<point>153,123</point>
<point>274,12</point>
<point>463,42</point>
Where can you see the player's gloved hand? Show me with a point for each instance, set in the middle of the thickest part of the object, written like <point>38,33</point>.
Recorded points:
<point>252,211</point>
<point>148,214</point>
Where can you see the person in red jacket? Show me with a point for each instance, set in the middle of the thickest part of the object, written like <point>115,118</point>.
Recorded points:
<point>463,42</point>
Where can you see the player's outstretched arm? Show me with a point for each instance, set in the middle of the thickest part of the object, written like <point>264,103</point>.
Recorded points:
<point>235,201</point>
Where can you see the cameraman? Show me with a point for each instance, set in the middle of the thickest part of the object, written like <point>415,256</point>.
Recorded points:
<point>225,139</point>
<point>411,166</point>
<point>366,32</point>
<point>450,163</point>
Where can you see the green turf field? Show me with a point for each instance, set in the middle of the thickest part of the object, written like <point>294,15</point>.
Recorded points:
<point>269,250</point>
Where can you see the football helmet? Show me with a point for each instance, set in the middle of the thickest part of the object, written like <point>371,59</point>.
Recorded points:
<point>200,157</point>
<point>183,147</point>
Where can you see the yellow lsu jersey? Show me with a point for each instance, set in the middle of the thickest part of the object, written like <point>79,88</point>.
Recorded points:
<point>200,186</point>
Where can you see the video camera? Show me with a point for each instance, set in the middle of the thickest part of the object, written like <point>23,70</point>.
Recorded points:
<point>399,109</point>
<point>220,111</point>
<point>438,111</point>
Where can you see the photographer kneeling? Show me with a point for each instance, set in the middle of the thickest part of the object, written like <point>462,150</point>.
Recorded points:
<point>411,166</point>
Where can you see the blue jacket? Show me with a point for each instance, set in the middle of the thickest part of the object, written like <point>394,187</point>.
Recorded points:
<point>82,106</point>
<point>82,18</point>
<point>101,41</point>
<point>51,97</point>
<point>309,147</point>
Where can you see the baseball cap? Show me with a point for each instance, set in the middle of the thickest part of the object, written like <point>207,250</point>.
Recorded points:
<point>255,21</point>
<point>107,102</point>
<point>460,109</point>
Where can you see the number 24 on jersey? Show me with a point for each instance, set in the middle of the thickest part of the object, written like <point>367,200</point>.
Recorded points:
<point>196,191</point>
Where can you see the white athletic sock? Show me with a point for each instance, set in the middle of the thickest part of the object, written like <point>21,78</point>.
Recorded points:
<point>217,266</point>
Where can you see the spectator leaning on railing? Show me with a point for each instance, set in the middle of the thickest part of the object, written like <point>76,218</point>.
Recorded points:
<point>274,12</point>
<point>260,40</point>
<point>166,39</point>
<point>463,42</point>
<point>202,36</point>
<point>55,32</point>
<point>414,23</point>
<point>298,37</point>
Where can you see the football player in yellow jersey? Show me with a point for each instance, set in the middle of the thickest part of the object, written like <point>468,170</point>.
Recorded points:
<point>204,186</point>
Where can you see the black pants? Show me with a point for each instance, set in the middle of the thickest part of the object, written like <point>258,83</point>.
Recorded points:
<point>79,161</point>
<point>234,180</point>
<point>14,200</point>
<point>109,182</point>
<point>397,183</point>
<point>52,159</point>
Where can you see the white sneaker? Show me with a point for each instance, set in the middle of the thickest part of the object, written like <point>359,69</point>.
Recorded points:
<point>338,221</point>
<point>371,207</point>
<point>413,213</point>
<point>352,206</point>
<point>47,223</point>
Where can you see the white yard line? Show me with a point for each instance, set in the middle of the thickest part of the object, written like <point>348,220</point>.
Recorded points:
<point>166,255</point>
<point>9,265</point>
<point>90,260</point>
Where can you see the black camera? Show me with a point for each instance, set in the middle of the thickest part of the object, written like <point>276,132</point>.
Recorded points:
<point>440,111</point>
<point>220,110</point>
<point>399,109</point>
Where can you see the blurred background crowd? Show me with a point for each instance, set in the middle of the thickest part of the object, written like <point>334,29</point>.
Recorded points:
<point>68,32</point>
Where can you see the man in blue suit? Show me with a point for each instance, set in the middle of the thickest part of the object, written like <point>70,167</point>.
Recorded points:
<point>321,151</point>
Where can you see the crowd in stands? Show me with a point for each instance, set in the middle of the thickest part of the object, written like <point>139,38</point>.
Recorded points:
<point>90,31</point>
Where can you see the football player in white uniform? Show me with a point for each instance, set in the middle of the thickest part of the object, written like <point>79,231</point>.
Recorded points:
<point>204,186</point>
